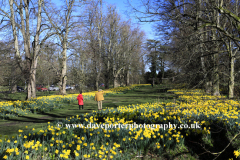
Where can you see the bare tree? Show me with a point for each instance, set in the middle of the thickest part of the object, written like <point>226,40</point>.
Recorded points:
<point>63,24</point>
<point>20,13</point>
<point>94,27</point>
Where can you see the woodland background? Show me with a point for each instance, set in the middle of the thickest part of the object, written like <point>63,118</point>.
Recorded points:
<point>87,43</point>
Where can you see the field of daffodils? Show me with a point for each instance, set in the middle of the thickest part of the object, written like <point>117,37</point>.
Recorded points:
<point>48,103</point>
<point>59,141</point>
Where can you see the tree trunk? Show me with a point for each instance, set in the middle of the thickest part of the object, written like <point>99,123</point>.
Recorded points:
<point>17,54</point>
<point>231,76</point>
<point>36,48</point>
<point>127,82</point>
<point>29,69</point>
<point>28,73</point>
<point>231,63</point>
<point>100,35</point>
<point>29,90</point>
<point>204,71</point>
<point>13,81</point>
<point>231,67</point>
<point>63,77</point>
<point>13,88</point>
<point>202,39</point>
<point>26,38</point>
<point>215,76</point>
<point>208,87</point>
<point>115,82</point>
<point>115,77</point>
<point>33,85</point>
<point>33,78</point>
<point>215,58</point>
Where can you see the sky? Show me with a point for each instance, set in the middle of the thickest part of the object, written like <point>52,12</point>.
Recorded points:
<point>123,9</point>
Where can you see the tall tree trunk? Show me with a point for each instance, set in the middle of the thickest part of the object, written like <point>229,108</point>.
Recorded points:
<point>36,49</point>
<point>64,40</point>
<point>207,90</point>
<point>231,63</point>
<point>115,82</point>
<point>29,89</point>
<point>17,54</point>
<point>231,76</point>
<point>13,79</point>
<point>115,77</point>
<point>97,85</point>
<point>29,69</point>
<point>215,56</point>
<point>231,54</point>
<point>14,87</point>
<point>202,39</point>
<point>26,38</point>
<point>28,73</point>
<point>215,75</point>
<point>33,78</point>
<point>100,35</point>
<point>128,75</point>
<point>63,78</point>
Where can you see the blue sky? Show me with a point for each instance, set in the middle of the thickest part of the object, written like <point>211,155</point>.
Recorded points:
<point>123,9</point>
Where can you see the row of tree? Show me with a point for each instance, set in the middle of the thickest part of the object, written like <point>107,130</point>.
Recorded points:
<point>203,37</point>
<point>76,42</point>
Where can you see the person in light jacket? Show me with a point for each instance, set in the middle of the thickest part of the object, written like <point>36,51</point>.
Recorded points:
<point>99,98</point>
<point>80,100</point>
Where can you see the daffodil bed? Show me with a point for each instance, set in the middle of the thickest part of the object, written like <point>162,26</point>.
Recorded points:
<point>59,142</point>
<point>48,103</point>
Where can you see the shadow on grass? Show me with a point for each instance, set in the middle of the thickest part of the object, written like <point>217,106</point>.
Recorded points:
<point>31,119</point>
<point>105,105</point>
<point>57,116</point>
<point>220,141</point>
<point>7,99</point>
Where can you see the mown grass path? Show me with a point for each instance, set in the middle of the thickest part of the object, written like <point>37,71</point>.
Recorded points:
<point>11,126</point>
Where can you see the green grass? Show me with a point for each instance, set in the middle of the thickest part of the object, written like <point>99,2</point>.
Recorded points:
<point>11,126</point>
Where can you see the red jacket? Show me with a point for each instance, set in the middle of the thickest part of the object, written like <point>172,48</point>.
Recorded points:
<point>80,99</point>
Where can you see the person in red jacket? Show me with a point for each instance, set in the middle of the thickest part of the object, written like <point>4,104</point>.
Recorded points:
<point>80,100</point>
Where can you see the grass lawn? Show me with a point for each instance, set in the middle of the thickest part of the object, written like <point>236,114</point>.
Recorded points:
<point>146,94</point>
<point>11,126</point>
